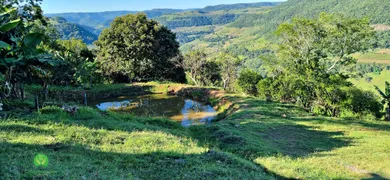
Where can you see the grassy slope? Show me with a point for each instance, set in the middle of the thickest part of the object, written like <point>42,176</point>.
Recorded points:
<point>378,80</point>
<point>256,140</point>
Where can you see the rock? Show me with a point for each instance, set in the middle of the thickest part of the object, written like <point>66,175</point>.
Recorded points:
<point>70,109</point>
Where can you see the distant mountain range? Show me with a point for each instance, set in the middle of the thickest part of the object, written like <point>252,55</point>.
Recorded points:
<point>243,29</point>
<point>95,22</point>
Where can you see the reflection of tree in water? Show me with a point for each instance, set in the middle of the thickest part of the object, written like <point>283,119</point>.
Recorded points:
<point>176,108</point>
<point>155,106</point>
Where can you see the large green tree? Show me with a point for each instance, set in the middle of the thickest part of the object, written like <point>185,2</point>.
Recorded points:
<point>314,57</point>
<point>136,48</point>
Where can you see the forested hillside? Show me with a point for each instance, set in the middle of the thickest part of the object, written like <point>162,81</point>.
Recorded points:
<point>376,10</point>
<point>68,30</point>
<point>172,18</point>
<point>97,21</point>
<point>244,34</point>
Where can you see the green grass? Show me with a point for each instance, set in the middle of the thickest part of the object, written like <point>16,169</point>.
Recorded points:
<point>255,142</point>
<point>377,80</point>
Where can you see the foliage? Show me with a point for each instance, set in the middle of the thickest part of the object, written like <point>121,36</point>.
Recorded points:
<point>314,59</point>
<point>79,63</point>
<point>19,55</point>
<point>386,98</point>
<point>247,80</point>
<point>28,10</point>
<point>229,66</point>
<point>361,102</point>
<point>383,39</point>
<point>136,48</point>
<point>200,70</point>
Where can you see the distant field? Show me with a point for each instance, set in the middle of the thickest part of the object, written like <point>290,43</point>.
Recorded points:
<point>378,80</point>
<point>381,56</point>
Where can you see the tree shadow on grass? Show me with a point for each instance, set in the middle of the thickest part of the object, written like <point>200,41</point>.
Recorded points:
<point>74,161</point>
<point>254,139</point>
<point>374,125</point>
<point>375,177</point>
<point>262,128</point>
<point>300,141</point>
<point>16,128</point>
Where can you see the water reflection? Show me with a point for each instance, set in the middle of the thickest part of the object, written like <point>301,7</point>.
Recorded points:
<point>188,111</point>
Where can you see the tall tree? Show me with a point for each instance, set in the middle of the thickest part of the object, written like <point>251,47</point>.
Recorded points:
<point>229,66</point>
<point>200,70</point>
<point>136,48</point>
<point>318,52</point>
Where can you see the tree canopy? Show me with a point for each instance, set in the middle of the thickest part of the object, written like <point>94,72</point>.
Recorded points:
<point>136,48</point>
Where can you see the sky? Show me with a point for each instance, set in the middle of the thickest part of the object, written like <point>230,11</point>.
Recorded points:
<point>59,6</point>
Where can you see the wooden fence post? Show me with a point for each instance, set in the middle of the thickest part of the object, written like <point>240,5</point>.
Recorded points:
<point>37,102</point>
<point>85,99</point>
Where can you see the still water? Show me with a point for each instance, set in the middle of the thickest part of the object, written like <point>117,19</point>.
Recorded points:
<point>187,111</point>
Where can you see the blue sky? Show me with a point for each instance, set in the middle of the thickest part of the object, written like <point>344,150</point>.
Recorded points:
<point>57,6</point>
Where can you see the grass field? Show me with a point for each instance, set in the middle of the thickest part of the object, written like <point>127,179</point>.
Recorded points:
<point>378,80</point>
<point>262,140</point>
<point>381,56</point>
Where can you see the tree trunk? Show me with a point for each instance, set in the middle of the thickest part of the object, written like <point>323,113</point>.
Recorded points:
<point>388,113</point>
<point>225,83</point>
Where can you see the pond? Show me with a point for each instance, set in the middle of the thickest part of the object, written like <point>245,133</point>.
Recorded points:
<point>184,110</point>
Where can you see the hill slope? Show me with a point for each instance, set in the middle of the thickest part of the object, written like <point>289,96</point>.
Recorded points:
<point>97,21</point>
<point>68,30</point>
<point>172,18</point>
<point>248,28</point>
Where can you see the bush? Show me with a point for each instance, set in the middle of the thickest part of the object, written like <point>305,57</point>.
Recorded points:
<point>87,113</point>
<point>264,88</point>
<point>362,103</point>
<point>51,110</point>
<point>248,80</point>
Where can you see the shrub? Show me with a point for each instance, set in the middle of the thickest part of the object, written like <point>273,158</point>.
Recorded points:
<point>248,80</point>
<point>51,110</point>
<point>361,102</point>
